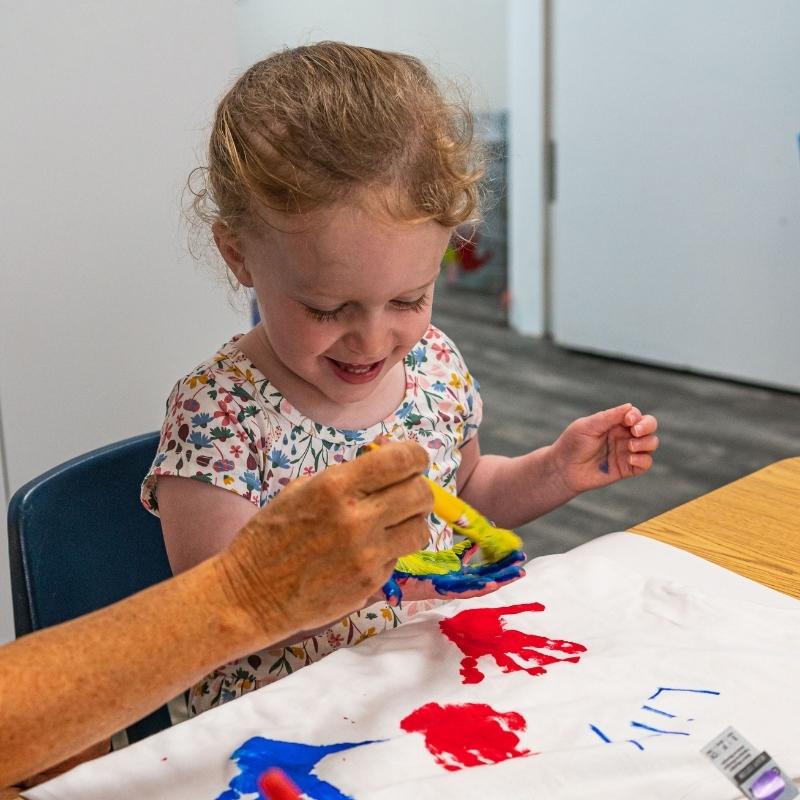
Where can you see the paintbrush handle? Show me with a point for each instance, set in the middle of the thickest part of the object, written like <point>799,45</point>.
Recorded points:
<point>448,506</point>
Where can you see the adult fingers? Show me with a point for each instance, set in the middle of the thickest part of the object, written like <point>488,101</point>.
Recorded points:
<point>410,498</point>
<point>406,537</point>
<point>391,463</point>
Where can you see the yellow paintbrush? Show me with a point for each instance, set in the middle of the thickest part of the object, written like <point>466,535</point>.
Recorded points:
<point>495,543</point>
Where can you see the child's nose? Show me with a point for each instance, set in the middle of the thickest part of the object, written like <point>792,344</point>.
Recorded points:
<point>368,338</point>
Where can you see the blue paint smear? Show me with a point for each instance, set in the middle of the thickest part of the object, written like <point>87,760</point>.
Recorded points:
<point>297,760</point>
<point>466,579</point>
<point>603,465</point>
<point>665,689</point>
<point>605,738</point>
<point>392,591</point>
<point>657,730</point>
<point>600,733</point>
<point>658,711</point>
<point>633,741</point>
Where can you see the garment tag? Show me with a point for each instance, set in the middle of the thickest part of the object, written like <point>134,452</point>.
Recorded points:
<point>752,770</point>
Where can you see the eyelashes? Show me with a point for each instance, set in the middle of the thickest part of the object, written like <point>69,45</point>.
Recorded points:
<point>321,316</point>
<point>400,305</point>
<point>411,305</point>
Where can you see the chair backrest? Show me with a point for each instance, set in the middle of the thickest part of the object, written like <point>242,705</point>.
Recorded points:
<point>79,539</point>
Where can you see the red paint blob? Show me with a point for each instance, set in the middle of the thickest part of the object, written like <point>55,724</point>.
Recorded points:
<point>481,632</point>
<point>274,784</point>
<point>468,735</point>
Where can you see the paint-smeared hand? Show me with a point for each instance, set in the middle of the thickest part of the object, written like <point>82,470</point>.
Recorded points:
<point>605,447</point>
<point>325,544</point>
<point>463,582</point>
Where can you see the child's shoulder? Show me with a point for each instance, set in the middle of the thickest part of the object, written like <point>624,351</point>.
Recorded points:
<point>226,386</point>
<point>226,367</point>
<point>437,346</point>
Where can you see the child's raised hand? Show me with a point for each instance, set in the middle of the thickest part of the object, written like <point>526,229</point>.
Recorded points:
<point>605,447</point>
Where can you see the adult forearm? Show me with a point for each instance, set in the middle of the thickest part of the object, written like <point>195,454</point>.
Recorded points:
<point>513,491</point>
<point>67,687</point>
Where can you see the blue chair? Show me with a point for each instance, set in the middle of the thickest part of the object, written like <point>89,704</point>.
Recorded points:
<point>79,539</point>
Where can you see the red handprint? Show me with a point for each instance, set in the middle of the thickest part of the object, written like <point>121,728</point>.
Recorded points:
<point>467,735</point>
<point>481,632</point>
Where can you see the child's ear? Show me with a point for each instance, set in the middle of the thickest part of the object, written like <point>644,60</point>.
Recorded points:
<point>230,249</point>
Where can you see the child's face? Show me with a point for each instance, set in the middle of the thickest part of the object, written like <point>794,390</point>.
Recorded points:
<point>344,295</point>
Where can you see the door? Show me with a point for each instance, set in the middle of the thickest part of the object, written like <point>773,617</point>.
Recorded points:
<point>676,223</point>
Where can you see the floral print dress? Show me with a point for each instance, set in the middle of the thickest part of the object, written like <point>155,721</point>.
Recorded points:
<point>227,425</point>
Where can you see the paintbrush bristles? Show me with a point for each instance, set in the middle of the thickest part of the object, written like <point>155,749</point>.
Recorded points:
<point>495,543</point>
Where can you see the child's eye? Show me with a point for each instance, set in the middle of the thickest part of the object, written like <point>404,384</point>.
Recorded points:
<point>411,305</point>
<point>322,316</point>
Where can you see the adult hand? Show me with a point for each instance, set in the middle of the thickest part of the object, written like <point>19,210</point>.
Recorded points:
<point>324,544</point>
<point>605,447</point>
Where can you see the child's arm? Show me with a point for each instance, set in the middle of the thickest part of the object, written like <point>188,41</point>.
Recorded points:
<point>198,520</point>
<point>592,452</point>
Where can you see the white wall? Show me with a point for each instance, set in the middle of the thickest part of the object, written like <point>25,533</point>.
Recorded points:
<point>460,39</point>
<point>101,307</point>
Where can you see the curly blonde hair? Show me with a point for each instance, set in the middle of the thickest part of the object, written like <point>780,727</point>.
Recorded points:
<point>314,125</point>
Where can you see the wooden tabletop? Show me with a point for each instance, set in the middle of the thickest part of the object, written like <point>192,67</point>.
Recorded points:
<point>750,526</point>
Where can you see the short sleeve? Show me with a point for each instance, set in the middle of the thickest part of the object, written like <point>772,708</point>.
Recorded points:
<point>470,399</point>
<point>468,411</point>
<point>208,435</point>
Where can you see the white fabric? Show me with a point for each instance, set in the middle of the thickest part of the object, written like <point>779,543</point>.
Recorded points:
<point>658,560</point>
<point>641,634</point>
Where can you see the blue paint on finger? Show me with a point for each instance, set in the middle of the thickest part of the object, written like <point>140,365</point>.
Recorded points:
<point>466,579</point>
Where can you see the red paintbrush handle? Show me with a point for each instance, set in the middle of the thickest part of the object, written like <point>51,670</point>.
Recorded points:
<point>274,784</point>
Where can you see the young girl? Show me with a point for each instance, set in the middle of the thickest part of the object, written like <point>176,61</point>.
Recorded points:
<point>336,177</point>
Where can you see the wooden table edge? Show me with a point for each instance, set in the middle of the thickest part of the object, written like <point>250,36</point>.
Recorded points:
<point>718,525</point>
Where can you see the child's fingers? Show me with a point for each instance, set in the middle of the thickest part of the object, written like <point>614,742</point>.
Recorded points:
<point>646,444</point>
<point>632,417</point>
<point>599,423</point>
<point>640,462</point>
<point>645,425</point>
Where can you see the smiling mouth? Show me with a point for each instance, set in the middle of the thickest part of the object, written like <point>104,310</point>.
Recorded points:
<point>356,369</point>
<point>356,373</point>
